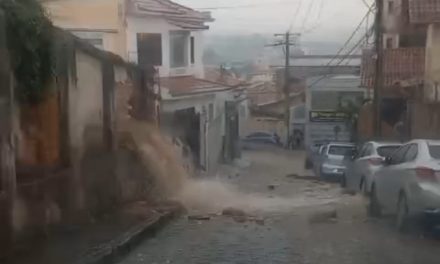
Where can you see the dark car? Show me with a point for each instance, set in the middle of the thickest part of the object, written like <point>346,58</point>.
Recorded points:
<point>261,139</point>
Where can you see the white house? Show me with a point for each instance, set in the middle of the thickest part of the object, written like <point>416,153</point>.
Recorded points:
<point>203,113</point>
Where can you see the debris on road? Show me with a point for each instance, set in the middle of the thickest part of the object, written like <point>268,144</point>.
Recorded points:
<point>234,212</point>
<point>272,186</point>
<point>199,217</point>
<point>302,177</point>
<point>348,192</point>
<point>260,222</point>
<point>326,216</point>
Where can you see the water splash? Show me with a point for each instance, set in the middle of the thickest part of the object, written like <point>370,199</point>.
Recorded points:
<point>174,179</point>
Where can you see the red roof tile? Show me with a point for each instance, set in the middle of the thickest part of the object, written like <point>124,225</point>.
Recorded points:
<point>424,11</point>
<point>399,65</point>
<point>217,74</point>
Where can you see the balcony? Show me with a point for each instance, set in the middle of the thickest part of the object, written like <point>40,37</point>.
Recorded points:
<point>424,11</point>
<point>402,67</point>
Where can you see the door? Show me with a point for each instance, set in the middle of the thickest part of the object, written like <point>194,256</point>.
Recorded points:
<point>385,179</point>
<point>401,174</point>
<point>360,164</point>
<point>319,159</point>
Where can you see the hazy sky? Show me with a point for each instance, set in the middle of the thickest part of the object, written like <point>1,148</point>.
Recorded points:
<point>316,19</point>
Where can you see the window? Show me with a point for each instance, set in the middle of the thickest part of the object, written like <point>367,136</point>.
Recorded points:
<point>434,151</point>
<point>368,150</point>
<point>179,49</point>
<point>149,49</point>
<point>387,151</point>
<point>192,43</point>
<point>390,7</point>
<point>389,43</point>
<point>346,151</point>
<point>411,154</point>
<point>399,155</point>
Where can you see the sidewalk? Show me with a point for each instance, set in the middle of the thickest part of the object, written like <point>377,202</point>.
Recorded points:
<point>103,241</point>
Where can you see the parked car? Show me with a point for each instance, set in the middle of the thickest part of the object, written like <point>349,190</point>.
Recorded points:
<point>312,153</point>
<point>331,163</point>
<point>260,139</point>
<point>365,163</point>
<point>408,185</point>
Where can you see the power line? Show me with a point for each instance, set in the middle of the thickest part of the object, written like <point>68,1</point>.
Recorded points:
<point>241,6</point>
<point>307,14</point>
<point>352,35</point>
<point>295,15</point>
<point>341,60</point>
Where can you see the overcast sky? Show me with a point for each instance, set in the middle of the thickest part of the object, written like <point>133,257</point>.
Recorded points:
<point>316,19</point>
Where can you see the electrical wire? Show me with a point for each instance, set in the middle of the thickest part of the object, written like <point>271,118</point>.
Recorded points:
<point>307,14</point>
<point>295,15</point>
<point>241,6</point>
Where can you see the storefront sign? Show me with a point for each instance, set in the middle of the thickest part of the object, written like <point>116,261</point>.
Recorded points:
<point>327,116</point>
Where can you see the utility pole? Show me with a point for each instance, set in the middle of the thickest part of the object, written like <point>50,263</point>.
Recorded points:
<point>286,86</point>
<point>378,80</point>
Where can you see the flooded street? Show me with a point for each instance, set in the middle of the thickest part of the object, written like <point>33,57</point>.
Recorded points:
<point>318,225</point>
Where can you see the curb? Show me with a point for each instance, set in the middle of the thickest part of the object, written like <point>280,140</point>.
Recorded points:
<point>119,247</point>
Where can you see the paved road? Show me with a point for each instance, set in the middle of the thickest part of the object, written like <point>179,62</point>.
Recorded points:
<point>299,231</point>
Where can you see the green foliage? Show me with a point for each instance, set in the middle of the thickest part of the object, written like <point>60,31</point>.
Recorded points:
<point>29,38</point>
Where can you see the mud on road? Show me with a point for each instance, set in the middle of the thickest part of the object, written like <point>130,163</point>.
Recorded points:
<point>298,220</point>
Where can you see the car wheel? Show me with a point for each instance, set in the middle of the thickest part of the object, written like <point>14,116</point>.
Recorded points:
<point>343,181</point>
<point>402,213</point>
<point>373,208</point>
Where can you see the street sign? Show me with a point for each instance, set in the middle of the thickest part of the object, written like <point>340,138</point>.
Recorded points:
<point>327,116</point>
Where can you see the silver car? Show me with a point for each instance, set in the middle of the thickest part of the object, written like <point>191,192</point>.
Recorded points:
<point>365,163</point>
<point>408,186</point>
<point>332,161</point>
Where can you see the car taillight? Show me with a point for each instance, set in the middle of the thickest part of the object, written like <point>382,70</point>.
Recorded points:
<point>426,174</point>
<point>375,161</point>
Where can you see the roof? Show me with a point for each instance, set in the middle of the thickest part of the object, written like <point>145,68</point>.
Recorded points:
<point>424,11</point>
<point>399,65</point>
<point>176,14</point>
<point>222,75</point>
<point>185,85</point>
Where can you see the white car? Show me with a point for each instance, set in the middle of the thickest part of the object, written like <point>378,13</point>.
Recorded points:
<point>408,185</point>
<point>365,163</point>
<point>331,163</point>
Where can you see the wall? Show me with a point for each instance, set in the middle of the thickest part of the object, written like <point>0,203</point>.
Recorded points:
<point>159,25</point>
<point>392,18</point>
<point>266,124</point>
<point>432,64</point>
<point>101,16</point>
<point>86,103</point>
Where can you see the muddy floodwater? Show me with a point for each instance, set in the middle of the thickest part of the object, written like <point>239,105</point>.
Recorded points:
<point>289,220</point>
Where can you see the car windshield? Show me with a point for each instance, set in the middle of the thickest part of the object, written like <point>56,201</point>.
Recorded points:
<point>434,151</point>
<point>386,151</point>
<point>345,151</point>
<point>219,131</point>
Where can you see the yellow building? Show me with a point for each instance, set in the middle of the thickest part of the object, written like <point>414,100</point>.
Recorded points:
<point>100,22</point>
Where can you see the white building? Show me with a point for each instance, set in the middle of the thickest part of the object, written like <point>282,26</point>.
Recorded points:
<point>204,114</point>
<point>323,119</point>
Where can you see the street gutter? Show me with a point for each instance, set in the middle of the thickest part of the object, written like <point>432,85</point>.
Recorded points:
<point>119,247</point>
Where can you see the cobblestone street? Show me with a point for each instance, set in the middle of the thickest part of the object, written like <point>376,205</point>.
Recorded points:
<point>322,225</point>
